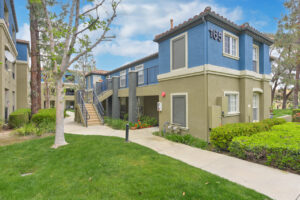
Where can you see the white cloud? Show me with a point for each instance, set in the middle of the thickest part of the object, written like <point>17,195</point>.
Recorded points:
<point>138,22</point>
<point>24,32</point>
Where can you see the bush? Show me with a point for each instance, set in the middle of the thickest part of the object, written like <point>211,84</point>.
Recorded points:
<point>151,121</point>
<point>45,115</point>
<point>296,115</point>
<point>222,136</point>
<point>27,129</point>
<point>279,147</point>
<point>117,124</point>
<point>19,117</point>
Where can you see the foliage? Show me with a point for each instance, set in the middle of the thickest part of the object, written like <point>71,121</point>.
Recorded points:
<point>281,112</point>
<point>97,167</point>
<point>19,117</point>
<point>117,124</point>
<point>151,121</point>
<point>45,115</point>
<point>279,147</point>
<point>296,115</point>
<point>222,136</point>
<point>126,116</point>
<point>27,129</point>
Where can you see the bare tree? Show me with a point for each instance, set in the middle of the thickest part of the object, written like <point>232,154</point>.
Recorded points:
<point>78,24</point>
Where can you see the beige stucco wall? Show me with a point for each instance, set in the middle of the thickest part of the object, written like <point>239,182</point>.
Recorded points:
<point>6,80</point>
<point>23,87</point>
<point>150,106</point>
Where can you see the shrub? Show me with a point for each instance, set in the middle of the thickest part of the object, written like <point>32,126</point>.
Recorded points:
<point>126,116</point>
<point>151,121</point>
<point>222,136</point>
<point>279,147</point>
<point>45,115</point>
<point>19,117</point>
<point>27,129</point>
<point>117,124</point>
<point>296,115</point>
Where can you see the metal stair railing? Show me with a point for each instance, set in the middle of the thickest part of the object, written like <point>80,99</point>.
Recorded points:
<point>84,112</point>
<point>98,105</point>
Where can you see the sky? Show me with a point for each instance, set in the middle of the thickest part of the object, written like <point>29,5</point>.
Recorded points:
<point>138,21</point>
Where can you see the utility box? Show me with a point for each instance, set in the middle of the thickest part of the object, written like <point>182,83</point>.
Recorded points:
<point>215,116</point>
<point>223,103</point>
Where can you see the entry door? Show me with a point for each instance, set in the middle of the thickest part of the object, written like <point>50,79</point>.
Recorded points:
<point>255,107</point>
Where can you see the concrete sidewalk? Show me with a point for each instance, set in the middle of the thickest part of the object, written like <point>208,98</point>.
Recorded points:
<point>272,182</point>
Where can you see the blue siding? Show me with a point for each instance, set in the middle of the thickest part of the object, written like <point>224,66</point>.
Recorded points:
<point>246,53</point>
<point>22,51</point>
<point>10,18</point>
<point>264,59</point>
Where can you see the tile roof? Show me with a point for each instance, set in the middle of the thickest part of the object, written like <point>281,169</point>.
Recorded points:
<point>98,72</point>
<point>208,12</point>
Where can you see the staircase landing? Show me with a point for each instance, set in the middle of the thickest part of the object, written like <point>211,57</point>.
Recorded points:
<point>94,119</point>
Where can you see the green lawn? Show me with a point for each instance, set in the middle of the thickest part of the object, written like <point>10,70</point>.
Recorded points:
<point>95,167</point>
<point>280,112</point>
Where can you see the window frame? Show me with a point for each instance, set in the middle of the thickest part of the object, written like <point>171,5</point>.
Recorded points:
<point>256,47</point>
<point>185,35</point>
<point>186,107</point>
<point>141,70</point>
<point>231,36</point>
<point>122,74</point>
<point>237,112</point>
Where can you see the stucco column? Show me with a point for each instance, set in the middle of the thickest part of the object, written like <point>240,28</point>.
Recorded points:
<point>132,99</point>
<point>109,84</point>
<point>115,98</point>
<point>109,107</point>
<point>246,95</point>
<point>265,100</point>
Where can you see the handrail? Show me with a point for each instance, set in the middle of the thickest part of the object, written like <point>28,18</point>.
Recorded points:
<point>84,112</point>
<point>98,105</point>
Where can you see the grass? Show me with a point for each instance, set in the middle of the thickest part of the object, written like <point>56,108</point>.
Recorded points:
<point>184,139</point>
<point>117,124</point>
<point>280,112</point>
<point>95,167</point>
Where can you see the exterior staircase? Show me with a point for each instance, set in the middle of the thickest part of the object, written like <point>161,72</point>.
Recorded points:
<point>94,119</point>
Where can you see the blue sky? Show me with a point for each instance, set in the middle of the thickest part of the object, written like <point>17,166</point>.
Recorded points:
<point>139,21</point>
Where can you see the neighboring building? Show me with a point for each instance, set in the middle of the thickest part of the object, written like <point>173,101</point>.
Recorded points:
<point>208,72</point>
<point>70,84</point>
<point>95,77</point>
<point>14,59</point>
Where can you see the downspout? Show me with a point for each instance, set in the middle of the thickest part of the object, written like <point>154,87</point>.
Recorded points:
<point>206,76</point>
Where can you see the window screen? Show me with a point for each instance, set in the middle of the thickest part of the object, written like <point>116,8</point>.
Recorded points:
<point>179,110</point>
<point>178,53</point>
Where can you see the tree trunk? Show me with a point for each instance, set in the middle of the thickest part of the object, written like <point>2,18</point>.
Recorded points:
<point>296,90</point>
<point>59,136</point>
<point>47,93</point>
<point>38,76</point>
<point>34,60</point>
<point>274,91</point>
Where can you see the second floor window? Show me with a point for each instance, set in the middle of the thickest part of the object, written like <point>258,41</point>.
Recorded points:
<point>255,59</point>
<point>179,52</point>
<point>230,45</point>
<point>140,70</point>
<point>123,79</point>
<point>70,92</point>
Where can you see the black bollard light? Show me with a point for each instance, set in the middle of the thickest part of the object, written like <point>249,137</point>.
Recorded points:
<point>127,132</point>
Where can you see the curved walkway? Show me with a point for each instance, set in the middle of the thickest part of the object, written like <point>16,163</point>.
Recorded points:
<point>272,182</point>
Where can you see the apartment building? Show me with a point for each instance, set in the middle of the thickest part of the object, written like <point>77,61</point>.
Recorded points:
<point>14,57</point>
<point>208,72</point>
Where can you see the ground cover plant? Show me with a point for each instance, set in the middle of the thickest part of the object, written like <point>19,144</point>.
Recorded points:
<point>282,112</point>
<point>187,139</point>
<point>120,124</point>
<point>96,167</point>
<point>279,147</point>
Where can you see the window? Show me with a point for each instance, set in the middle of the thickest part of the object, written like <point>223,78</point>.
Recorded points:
<point>13,70</point>
<point>179,52</point>
<point>14,101</point>
<point>6,15</point>
<point>123,79</point>
<point>179,109</point>
<point>255,58</point>
<point>255,107</point>
<point>140,70</point>
<point>230,45</point>
<point>233,102</point>
<point>6,64</point>
<point>70,92</point>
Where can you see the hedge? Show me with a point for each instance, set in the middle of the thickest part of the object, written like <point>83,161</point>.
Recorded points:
<point>296,115</point>
<point>222,136</point>
<point>19,117</point>
<point>45,115</point>
<point>279,147</point>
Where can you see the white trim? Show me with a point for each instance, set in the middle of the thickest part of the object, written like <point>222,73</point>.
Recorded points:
<point>237,103</point>
<point>257,59</point>
<point>257,106</point>
<point>3,24</point>
<point>186,106</point>
<point>258,90</point>
<point>136,68</point>
<point>185,34</point>
<point>213,69</point>
<point>236,57</point>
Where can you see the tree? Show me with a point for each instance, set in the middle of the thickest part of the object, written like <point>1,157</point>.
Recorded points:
<point>85,64</point>
<point>35,82</point>
<point>291,25</point>
<point>79,24</point>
